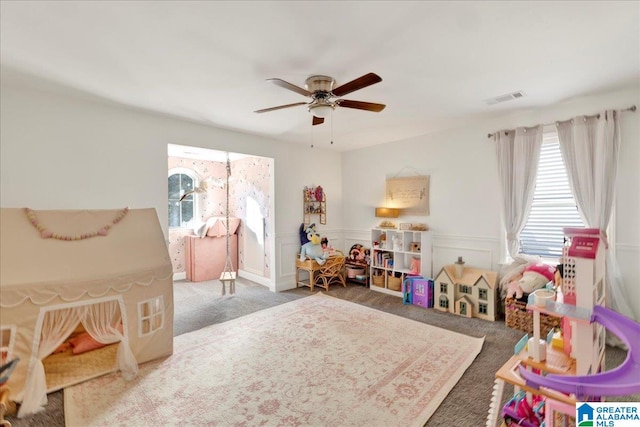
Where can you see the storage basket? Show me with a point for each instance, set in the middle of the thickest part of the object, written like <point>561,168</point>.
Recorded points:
<point>517,317</point>
<point>353,271</point>
<point>378,280</point>
<point>394,283</point>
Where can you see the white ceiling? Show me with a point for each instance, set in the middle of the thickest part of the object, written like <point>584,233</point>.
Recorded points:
<point>439,61</point>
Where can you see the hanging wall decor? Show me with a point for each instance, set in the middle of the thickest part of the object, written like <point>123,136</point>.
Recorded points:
<point>409,193</point>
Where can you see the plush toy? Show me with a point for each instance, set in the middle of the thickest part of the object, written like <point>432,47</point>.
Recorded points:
<point>415,266</point>
<point>358,254</point>
<point>312,249</point>
<point>534,276</point>
<point>326,247</point>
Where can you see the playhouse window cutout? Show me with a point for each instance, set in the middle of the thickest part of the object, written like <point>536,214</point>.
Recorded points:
<point>7,340</point>
<point>483,295</point>
<point>443,303</point>
<point>443,288</point>
<point>150,316</point>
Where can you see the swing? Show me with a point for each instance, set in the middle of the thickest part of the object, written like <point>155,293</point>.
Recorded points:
<point>228,275</point>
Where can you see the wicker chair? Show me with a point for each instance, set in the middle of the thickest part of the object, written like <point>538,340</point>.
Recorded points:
<point>331,272</point>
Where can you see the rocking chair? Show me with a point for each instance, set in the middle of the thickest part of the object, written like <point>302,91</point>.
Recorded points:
<point>331,272</point>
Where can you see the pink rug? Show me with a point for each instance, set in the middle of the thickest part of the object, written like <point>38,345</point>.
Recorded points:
<point>316,361</point>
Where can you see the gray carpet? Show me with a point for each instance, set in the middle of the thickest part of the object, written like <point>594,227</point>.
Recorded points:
<point>200,304</point>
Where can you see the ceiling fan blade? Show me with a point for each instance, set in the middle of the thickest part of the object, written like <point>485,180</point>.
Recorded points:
<point>360,105</point>
<point>359,83</point>
<point>280,107</point>
<point>317,120</point>
<point>287,85</point>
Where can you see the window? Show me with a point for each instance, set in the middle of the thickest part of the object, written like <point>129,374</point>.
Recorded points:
<point>7,340</point>
<point>464,289</point>
<point>444,302</point>
<point>181,212</point>
<point>553,205</point>
<point>443,287</point>
<point>482,308</point>
<point>150,315</point>
<point>482,295</point>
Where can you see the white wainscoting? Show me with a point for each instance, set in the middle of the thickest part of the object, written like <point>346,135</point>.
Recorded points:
<point>351,237</point>
<point>476,251</point>
<point>288,249</point>
<point>480,252</point>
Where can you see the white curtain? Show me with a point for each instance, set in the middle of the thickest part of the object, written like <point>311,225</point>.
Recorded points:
<point>590,148</point>
<point>57,325</point>
<point>103,322</point>
<point>518,154</point>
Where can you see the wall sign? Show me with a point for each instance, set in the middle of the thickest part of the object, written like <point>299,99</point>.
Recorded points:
<point>410,193</point>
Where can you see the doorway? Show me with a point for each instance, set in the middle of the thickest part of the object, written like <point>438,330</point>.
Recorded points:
<point>251,189</point>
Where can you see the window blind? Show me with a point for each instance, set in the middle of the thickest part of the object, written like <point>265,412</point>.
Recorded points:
<point>553,204</point>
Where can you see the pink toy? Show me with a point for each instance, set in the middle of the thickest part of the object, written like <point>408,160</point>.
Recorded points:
<point>621,381</point>
<point>517,412</point>
<point>415,266</point>
<point>534,277</point>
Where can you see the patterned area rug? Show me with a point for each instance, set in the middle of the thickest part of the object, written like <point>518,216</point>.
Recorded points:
<point>316,361</point>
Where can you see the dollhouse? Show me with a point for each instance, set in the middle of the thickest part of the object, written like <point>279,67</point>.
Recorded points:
<point>580,351</point>
<point>471,293</point>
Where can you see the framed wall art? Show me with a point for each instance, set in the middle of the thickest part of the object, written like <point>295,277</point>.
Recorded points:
<point>410,193</point>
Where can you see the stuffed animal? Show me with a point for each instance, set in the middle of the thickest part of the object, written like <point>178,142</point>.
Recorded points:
<point>326,247</point>
<point>358,254</point>
<point>534,276</point>
<point>312,249</point>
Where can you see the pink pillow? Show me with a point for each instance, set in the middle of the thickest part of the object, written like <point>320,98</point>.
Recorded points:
<point>83,343</point>
<point>543,269</point>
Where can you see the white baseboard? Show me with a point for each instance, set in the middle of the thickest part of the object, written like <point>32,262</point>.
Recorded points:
<point>180,276</point>
<point>254,278</point>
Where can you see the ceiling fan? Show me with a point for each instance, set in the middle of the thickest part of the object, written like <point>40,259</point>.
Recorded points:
<point>321,90</point>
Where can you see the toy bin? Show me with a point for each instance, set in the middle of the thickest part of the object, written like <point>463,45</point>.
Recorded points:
<point>378,280</point>
<point>353,271</point>
<point>394,283</point>
<point>517,317</point>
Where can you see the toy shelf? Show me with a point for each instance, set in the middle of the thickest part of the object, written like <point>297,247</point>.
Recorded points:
<point>312,207</point>
<point>394,254</point>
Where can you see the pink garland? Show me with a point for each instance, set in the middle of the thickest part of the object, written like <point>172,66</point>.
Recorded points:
<point>47,234</point>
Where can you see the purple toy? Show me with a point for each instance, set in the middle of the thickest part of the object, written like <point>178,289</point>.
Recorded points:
<point>407,288</point>
<point>422,292</point>
<point>621,381</point>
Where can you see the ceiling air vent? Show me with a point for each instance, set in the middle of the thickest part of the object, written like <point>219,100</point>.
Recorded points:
<point>504,98</point>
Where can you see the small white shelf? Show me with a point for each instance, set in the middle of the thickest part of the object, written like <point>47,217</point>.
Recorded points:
<point>394,257</point>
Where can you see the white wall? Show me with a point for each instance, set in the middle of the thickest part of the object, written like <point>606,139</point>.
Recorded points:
<point>60,150</point>
<point>464,203</point>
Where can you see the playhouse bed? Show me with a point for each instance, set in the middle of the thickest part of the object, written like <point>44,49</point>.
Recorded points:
<point>65,369</point>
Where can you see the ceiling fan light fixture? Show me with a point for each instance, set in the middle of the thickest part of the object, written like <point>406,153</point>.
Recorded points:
<point>321,110</point>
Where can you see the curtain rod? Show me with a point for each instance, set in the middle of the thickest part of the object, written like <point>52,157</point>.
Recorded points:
<point>632,108</point>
